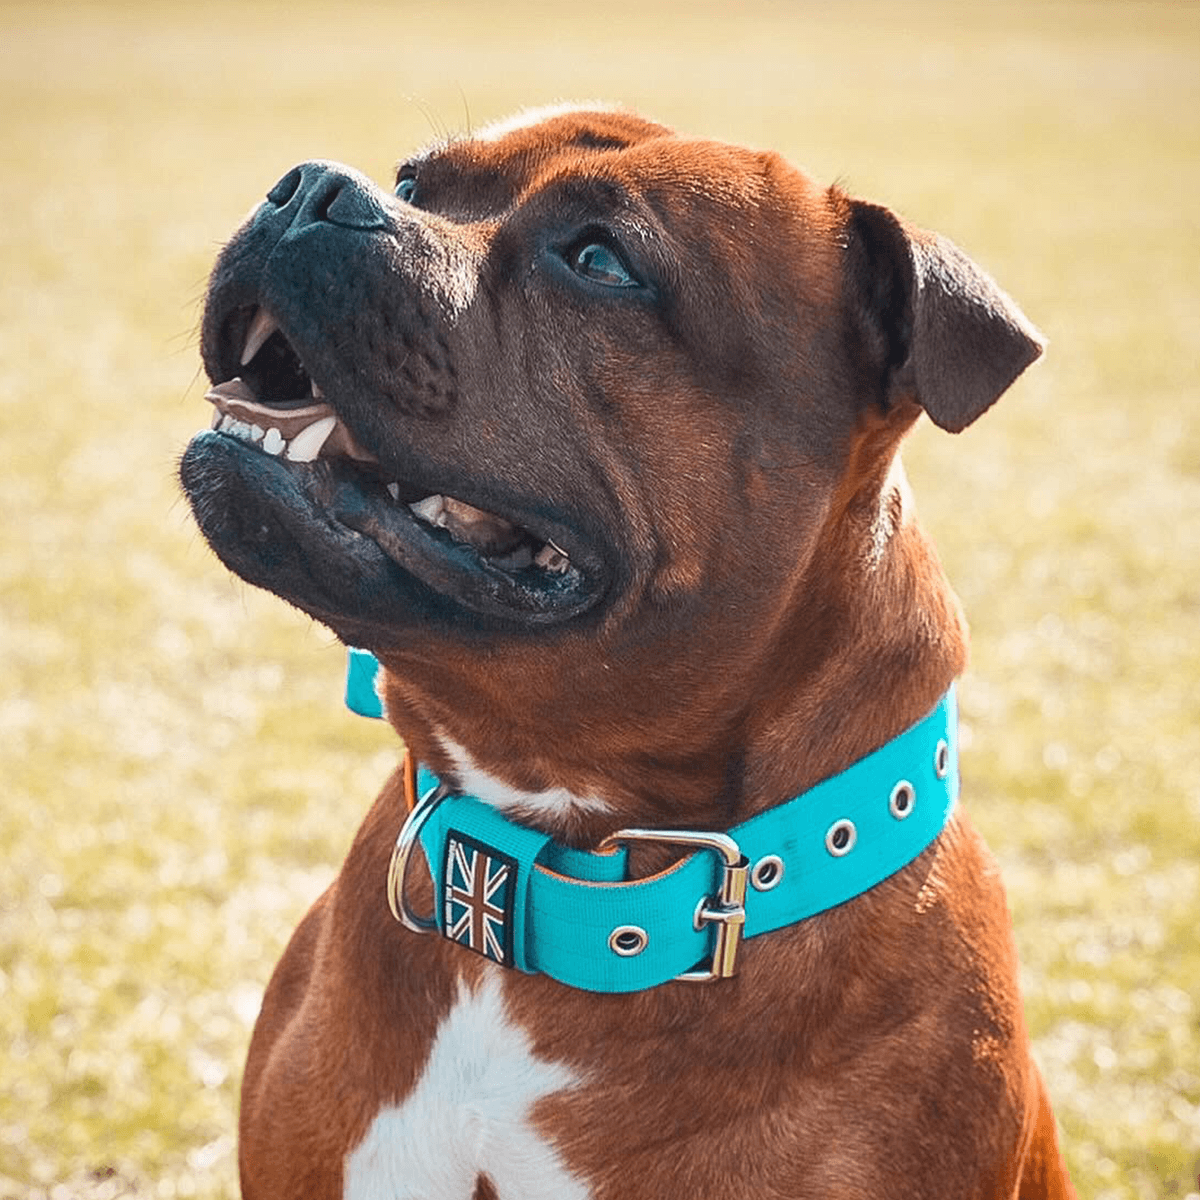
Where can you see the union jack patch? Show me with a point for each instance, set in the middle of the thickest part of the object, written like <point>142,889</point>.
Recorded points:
<point>481,885</point>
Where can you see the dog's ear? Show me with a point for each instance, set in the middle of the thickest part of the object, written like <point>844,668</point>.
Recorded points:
<point>937,326</point>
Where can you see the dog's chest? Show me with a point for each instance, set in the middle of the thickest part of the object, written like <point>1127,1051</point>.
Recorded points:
<point>469,1116</point>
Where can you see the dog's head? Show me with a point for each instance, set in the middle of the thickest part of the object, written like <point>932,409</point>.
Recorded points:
<point>572,374</point>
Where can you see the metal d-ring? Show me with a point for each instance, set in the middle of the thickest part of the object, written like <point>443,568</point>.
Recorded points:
<point>398,867</point>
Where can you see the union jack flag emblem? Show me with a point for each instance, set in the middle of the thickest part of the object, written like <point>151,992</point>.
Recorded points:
<point>480,888</point>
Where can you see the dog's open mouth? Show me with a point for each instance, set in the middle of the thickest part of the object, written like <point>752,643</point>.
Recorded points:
<point>274,425</point>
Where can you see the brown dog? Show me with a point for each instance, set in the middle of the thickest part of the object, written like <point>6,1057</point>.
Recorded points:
<point>589,433</point>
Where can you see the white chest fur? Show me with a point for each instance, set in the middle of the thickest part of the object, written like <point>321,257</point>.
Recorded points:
<point>475,781</point>
<point>469,1114</point>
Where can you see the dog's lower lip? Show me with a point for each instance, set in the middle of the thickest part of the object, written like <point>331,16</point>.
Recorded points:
<point>327,500</point>
<point>515,583</point>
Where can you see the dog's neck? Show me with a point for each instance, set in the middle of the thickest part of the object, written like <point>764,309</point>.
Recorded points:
<point>827,685</point>
<point>856,678</point>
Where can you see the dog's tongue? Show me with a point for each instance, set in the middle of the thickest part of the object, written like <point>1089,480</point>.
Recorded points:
<point>236,399</point>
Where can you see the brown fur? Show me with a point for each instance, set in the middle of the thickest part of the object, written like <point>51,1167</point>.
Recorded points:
<point>776,588</point>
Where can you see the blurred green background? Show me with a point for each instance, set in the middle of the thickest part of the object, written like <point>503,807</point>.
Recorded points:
<point>179,780</point>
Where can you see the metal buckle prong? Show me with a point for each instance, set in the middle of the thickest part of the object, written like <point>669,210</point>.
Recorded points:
<point>726,910</point>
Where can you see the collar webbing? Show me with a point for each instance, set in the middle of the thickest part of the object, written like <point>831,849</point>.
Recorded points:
<point>519,898</point>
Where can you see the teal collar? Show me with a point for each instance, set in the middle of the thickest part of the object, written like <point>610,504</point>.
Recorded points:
<point>524,901</point>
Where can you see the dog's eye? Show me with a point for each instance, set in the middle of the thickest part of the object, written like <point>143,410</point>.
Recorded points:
<point>406,189</point>
<point>601,264</point>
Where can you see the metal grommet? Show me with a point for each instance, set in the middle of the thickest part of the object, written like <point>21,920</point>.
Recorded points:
<point>903,798</point>
<point>766,873</point>
<point>841,837</point>
<point>941,759</point>
<point>628,940</point>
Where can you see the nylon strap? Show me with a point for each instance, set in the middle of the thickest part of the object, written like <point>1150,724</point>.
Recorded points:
<point>514,895</point>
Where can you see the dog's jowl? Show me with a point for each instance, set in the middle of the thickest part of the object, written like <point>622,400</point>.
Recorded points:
<point>589,432</point>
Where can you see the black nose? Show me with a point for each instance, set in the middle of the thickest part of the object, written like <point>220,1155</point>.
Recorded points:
<point>316,193</point>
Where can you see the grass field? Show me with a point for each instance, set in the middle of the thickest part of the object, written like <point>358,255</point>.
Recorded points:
<point>179,780</point>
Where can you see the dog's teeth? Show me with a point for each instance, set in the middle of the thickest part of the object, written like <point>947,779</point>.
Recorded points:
<point>273,442</point>
<point>393,490</point>
<point>239,429</point>
<point>306,445</point>
<point>551,558</point>
<point>316,391</point>
<point>430,509</point>
<point>475,526</point>
<point>260,329</point>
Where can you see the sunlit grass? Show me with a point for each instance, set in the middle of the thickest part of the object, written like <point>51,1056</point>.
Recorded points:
<point>179,779</point>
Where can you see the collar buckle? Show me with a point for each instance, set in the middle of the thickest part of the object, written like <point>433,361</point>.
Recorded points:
<point>726,910</point>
